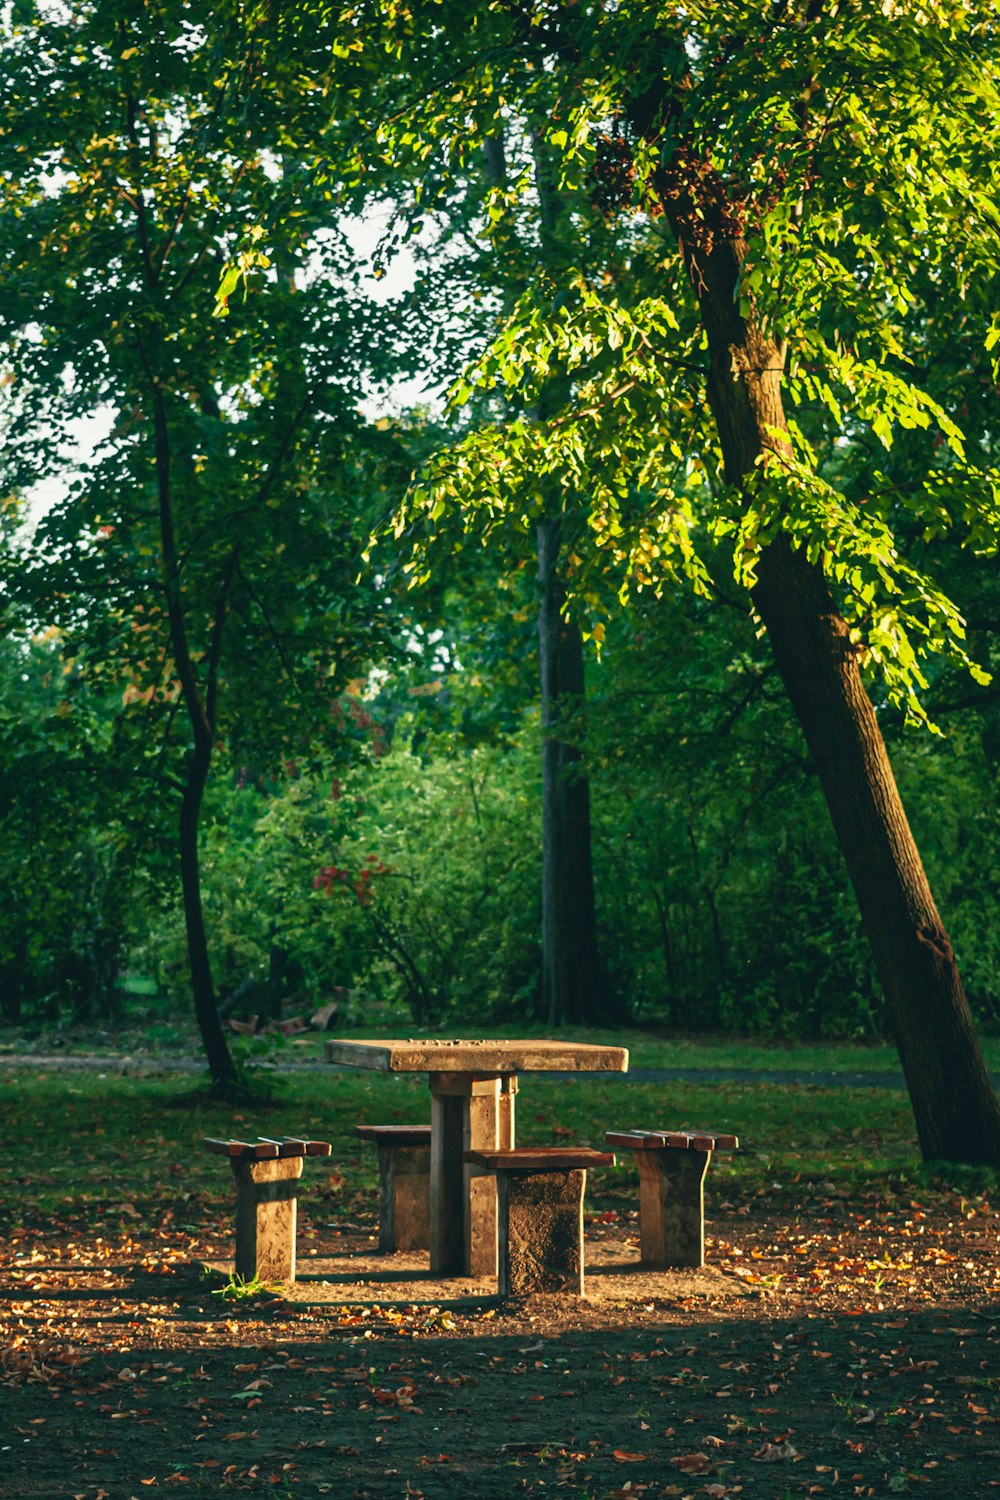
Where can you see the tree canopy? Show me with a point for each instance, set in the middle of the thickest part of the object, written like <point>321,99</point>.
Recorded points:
<point>712,291</point>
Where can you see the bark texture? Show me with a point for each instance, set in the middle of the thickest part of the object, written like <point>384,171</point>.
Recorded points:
<point>574,980</point>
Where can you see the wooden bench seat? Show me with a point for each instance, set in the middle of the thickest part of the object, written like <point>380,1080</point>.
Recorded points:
<point>266,1170</point>
<point>404,1175</point>
<point>268,1148</point>
<point>672,1168</point>
<point>540,1215</point>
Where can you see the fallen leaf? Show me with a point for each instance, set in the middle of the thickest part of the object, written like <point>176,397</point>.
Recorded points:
<point>694,1463</point>
<point>773,1453</point>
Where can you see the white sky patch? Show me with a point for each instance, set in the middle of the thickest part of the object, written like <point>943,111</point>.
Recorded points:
<point>85,436</point>
<point>399,275</point>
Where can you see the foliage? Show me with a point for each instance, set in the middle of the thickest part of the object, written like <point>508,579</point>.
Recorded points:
<point>68,851</point>
<point>200,569</point>
<point>410,880</point>
<point>202,578</point>
<point>406,881</point>
<point>847,176</point>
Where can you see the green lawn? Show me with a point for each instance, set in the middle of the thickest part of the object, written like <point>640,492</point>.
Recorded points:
<point>112,1144</point>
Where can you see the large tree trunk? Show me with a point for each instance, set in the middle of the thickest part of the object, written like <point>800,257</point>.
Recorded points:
<point>957,1113</point>
<point>574,980</point>
<point>575,985</point>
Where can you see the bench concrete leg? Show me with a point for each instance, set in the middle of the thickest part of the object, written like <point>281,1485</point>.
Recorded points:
<point>540,1232</point>
<point>404,1174</point>
<point>672,1207</point>
<point>266,1218</point>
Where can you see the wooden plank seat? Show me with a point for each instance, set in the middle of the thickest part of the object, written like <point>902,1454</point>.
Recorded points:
<point>266,1170</point>
<point>404,1176</point>
<point>672,1169</point>
<point>540,1215</point>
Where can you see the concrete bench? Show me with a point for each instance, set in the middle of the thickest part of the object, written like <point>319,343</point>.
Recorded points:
<point>404,1175</point>
<point>672,1167</point>
<point>540,1215</point>
<point>266,1171</point>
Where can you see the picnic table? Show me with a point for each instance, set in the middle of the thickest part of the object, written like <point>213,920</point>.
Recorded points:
<point>473,1087</point>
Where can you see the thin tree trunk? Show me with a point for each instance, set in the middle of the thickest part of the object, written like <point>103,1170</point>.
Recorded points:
<point>575,984</point>
<point>200,708</point>
<point>201,713</point>
<point>574,981</point>
<point>206,1010</point>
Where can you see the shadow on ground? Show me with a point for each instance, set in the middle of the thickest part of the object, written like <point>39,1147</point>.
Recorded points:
<point>121,1377</point>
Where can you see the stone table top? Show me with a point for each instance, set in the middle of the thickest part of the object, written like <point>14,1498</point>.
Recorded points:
<point>463,1055</point>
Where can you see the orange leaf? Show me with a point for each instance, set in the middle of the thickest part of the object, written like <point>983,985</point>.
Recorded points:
<point>629,1458</point>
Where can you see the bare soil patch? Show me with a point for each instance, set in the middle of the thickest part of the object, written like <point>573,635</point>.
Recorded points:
<point>831,1346</point>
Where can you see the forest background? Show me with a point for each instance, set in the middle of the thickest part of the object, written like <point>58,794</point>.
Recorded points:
<point>298,701</point>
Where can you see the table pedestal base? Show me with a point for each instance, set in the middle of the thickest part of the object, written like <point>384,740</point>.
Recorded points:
<point>468,1113</point>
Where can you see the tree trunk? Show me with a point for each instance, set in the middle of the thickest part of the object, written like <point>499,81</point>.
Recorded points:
<point>667,949</point>
<point>206,1009</point>
<point>956,1111</point>
<point>957,1114</point>
<point>201,713</point>
<point>574,980</point>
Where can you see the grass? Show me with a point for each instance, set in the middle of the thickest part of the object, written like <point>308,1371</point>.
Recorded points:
<point>116,1147</point>
<point>239,1289</point>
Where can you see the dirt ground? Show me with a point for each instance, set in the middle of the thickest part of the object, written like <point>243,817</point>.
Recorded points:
<point>829,1347</point>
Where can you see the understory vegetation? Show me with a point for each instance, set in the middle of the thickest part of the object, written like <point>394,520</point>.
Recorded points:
<point>404,873</point>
